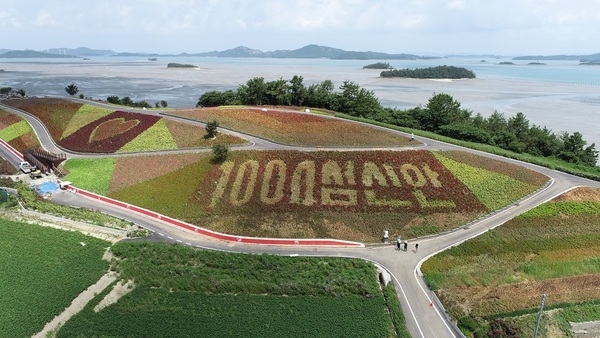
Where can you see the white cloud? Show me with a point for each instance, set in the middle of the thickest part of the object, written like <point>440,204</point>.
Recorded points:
<point>507,26</point>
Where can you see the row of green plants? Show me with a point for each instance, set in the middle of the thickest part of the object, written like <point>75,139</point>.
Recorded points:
<point>180,268</point>
<point>231,295</point>
<point>147,312</point>
<point>43,270</point>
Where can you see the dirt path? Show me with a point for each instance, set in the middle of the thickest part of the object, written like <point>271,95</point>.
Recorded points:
<point>77,305</point>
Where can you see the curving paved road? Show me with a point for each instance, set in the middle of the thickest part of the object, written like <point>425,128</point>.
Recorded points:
<point>423,316</point>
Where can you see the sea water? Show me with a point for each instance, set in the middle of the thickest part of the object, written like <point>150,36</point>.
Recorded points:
<point>561,95</point>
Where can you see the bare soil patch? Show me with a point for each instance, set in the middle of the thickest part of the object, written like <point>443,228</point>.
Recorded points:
<point>580,194</point>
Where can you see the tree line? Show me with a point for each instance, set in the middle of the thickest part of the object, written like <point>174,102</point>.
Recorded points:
<point>442,115</point>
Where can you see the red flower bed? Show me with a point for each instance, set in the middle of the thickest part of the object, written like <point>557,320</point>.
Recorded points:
<point>109,133</point>
<point>55,113</point>
<point>357,182</point>
<point>296,128</point>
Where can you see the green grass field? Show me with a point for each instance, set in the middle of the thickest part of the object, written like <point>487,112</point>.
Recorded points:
<point>185,292</point>
<point>42,270</point>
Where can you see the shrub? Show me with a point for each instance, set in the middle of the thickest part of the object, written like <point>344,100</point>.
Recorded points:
<point>220,153</point>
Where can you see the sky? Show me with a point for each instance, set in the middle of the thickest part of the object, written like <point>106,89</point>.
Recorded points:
<point>424,27</point>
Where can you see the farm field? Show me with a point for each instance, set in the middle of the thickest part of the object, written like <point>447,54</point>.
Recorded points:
<point>90,129</point>
<point>43,269</point>
<point>552,249</point>
<point>297,128</point>
<point>180,291</point>
<point>343,195</point>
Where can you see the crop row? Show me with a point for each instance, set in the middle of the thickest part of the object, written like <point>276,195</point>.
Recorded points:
<point>186,269</point>
<point>149,312</point>
<point>43,269</point>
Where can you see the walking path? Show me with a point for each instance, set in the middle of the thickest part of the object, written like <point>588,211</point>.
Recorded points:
<point>424,317</point>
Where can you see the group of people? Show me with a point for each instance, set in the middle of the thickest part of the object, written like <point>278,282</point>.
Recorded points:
<point>404,245</point>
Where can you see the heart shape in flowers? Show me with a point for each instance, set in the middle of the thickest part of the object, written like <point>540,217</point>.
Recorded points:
<point>110,128</point>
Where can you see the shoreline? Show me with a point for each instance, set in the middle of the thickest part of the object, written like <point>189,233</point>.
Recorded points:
<point>559,106</point>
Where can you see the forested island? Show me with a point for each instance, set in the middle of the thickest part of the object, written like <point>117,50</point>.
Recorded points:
<point>442,115</point>
<point>180,65</point>
<point>439,72</point>
<point>378,65</point>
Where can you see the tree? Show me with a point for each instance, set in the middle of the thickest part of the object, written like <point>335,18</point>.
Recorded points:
<point>442,109</point>
<point>220,152</point>
<point>321,95</point>
<point>277,93</point>
<point>72,89</point>
<point>356,101</point>
<point>211,129</point>
<point>163,103</point>
<point>574,150</point>
<point>298,91</point>
<point>21,92</point>
<point>253,92</point>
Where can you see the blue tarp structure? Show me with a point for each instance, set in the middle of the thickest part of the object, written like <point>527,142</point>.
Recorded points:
<point>46,187</point>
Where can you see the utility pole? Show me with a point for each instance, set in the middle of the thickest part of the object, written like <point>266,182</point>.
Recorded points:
<point>537,325</point>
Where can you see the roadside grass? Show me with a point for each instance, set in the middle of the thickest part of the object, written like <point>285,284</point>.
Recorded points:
<point>266,295</point>
<point>43,269</point>
<point>91,174</point>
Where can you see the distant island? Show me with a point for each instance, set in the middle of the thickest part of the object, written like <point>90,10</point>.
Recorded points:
<point>26,54</point>
<point>439,72</point>
<point>536,63</point>
<point>378,65</point>
<point>180,65</point>
<point>307,52</point>
<point>507,63</point>
<point>311,51</point>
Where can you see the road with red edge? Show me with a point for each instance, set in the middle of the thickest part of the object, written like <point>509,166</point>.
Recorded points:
<point>424,316</point>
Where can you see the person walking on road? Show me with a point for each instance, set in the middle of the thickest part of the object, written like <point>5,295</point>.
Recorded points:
<point>405,246</point>
<point>417,247</point>
<point>398,244</point>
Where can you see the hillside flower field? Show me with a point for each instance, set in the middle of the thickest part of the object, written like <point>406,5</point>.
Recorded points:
<point>16,131</point>
<point>329,194</point>
<point>297,128</point>
<point>552,249</point>
<point>91,129</point>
